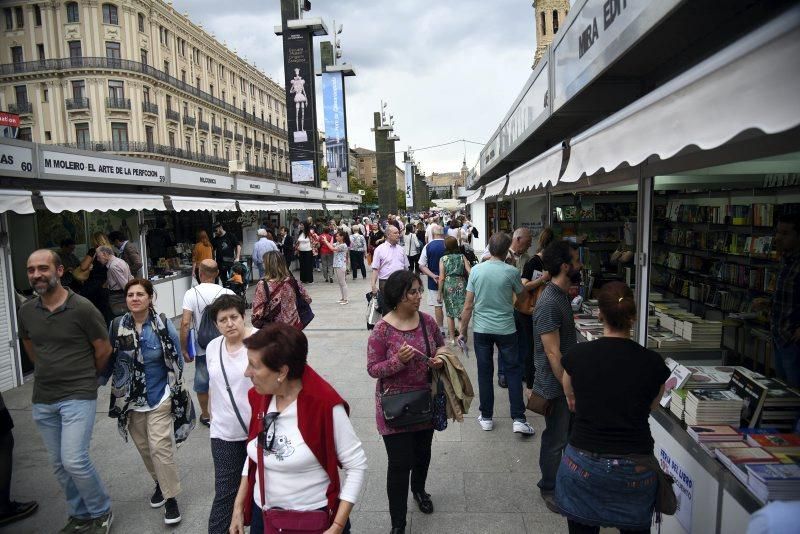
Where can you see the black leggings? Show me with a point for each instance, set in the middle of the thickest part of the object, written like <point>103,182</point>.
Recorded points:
<point>580,528</point>
<point>357,263</point>
<point>413,263</point>
<point>6,453</point>
<point>408,452</point>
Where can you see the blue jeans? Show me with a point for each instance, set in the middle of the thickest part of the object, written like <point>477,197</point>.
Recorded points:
<point>508,355</point>
<point>598,491</point>
<point>200,374</point>
<point>260,267</point>
<point>554,439</point>
<point>787,363</point>
<point>66,429</point>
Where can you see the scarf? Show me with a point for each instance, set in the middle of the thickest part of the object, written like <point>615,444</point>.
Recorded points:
<point>128,385</point>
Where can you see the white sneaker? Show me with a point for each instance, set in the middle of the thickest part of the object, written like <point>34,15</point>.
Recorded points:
<point>523,427</point>
<point>487,424</point>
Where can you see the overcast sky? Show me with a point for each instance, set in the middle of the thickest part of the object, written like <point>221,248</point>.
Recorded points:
<point>448,69</point>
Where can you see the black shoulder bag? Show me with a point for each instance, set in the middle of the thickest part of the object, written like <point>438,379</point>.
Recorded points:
<point>228,387</point>
<point>409,407</point>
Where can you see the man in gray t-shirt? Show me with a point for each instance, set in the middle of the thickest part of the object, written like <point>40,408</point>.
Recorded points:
<point>554,334</point>
<point>67,340</point>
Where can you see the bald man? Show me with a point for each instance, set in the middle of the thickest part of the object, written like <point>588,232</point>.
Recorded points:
<point>194,304</point>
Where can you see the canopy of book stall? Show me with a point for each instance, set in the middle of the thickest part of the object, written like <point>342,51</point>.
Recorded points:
<point>58,201</point>
<point>751,84</point>
<point>16,200</point>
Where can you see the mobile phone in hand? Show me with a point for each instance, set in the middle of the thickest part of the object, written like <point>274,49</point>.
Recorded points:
<point>464,347</point>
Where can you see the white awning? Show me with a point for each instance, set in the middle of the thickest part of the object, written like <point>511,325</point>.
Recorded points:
<point>16,200</point>
<point>341,207</point>
<point>493,189</point>
<point>751,84</point>
<point>537,172</point>
<point>58,201</point>
<point>257,205</point>
<point>474,196</point>
<point>298,206</point>
<point>203,204</point>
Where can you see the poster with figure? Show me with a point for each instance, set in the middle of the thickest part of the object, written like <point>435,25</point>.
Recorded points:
<point>301,118</point>
<point>335,130</point>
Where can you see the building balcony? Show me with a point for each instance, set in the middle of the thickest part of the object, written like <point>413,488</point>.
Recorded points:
<point>173,115</point>
<point>21,108</point>
<point>72,63</point>
<point>248,141</point>
<point>258,145</point>
<point>189,121</point>
<point>149,107</point>
<point>216,130</point>
<point>228,134</point>
<point>203,125</point>
<point>77,104</point>
<point>118,103</point>
<point>238,138</point>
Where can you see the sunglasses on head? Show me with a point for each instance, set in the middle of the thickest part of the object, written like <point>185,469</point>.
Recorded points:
<point>267,420</point>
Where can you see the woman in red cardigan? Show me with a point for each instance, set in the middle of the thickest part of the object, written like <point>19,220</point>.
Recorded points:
<point>301,425</point>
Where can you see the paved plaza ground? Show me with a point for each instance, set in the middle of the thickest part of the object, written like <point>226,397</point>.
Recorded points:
<point>480,482</point>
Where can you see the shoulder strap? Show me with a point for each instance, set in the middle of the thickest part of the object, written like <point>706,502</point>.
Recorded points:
<point>425,334</point>
<point>228,387</point>
<point>260,456</point>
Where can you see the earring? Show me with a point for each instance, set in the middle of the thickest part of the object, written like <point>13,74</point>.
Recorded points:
<point>279,381</point>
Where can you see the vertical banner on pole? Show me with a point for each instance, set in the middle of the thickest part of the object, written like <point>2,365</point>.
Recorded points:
<point>335,130</point>
<point>300,104</point>
<point>409,185</point>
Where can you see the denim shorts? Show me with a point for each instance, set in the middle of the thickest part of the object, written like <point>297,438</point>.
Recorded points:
<point>200,375</point>
<point>605,492</point>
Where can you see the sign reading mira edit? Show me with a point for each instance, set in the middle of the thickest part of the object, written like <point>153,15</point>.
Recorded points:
<point>301,116</point>
<point>335,130</point>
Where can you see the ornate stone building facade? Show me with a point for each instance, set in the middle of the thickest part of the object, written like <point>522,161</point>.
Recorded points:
<point>137,77</point>
<point>550,15</point>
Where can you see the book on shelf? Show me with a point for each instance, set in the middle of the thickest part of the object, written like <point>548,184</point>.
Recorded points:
<point>709,376</point>
<point>712,406</point>
<point>769,441</point>
<point>677,403</point>
<point>774,482</point>
<point>711,446</point>
<point>752,392</point>
<point>716,433</point>
<point>745,455</point>
<point>678,376</point>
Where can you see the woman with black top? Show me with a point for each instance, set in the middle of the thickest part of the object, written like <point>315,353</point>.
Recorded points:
<point>607,476</point>
<point>534,277</point>
<point>374,239</point>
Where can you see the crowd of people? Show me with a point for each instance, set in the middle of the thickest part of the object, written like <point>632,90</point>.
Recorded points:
<point>273,418</point>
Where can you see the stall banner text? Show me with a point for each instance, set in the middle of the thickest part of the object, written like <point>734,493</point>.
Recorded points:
<point>683,488</point>
<point>87,167</point>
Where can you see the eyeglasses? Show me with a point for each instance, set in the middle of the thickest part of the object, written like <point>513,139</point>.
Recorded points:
<point>418,291</point>
<point>267,421</point>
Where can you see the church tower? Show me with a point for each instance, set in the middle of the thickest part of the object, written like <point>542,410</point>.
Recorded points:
<point>550,14</point>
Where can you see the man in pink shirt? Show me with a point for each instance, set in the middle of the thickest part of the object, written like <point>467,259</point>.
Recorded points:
<point>387,258</point>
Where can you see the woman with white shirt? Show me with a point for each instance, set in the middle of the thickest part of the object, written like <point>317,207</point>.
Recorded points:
<point>228,387</point>
<point>299,434</point>
<point>303,246</point>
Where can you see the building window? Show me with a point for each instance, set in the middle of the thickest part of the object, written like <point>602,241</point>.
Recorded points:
<point>141,22</point>
<point>188,143</point>
<point>144,56</point>
<point>544,21</point>
<point>73,12</point>
<point>169,102</point>
<point>113,50</point>
<point>37,15</point>
<point>183,76</point>
<point>110,16</point>
<point>146,95</point>
<point>197,80</point>
<point>116,90</point>
<point>242,85</point>
<point>21,94</point>
<point>82,135</point>
<point>119,136</point>
<point>215,149</point>
<point>9,14</point>
<point>78,89</point>
<point>24,134</point>
<point>186,109</point>
<point>555,21</point>
<point>227,148</point>
<point>211,89</point>
<point>45,93</point>
<point>40,51</point>
<point>16,54</point>
<point>223,96</point>
<point>166,67</point>
<point>238,154</point>
<point>75,49</point>
<point>20,16</point>
<point>172,139</point>
<point>149,137</point>
<point>202,148</point>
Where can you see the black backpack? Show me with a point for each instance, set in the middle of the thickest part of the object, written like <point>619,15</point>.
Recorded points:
<point>207,329</point>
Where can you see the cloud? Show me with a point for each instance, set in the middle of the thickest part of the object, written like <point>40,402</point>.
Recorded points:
<point>449,69</point>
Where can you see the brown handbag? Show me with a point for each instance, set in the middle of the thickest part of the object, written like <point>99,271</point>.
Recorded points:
<point>538,404</point>
<point>527,302</point>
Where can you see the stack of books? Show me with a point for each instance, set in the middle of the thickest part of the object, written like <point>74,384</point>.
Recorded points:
<point>737,458</point>
<point>712,407</point>
<point>774,482</point>
<point>785,447</point>
<point>677,403</point>
<point>709,376</point>
<point>768,402</point>
<point>700,333</point>
<point>678,376</point>
<point>712,437</point>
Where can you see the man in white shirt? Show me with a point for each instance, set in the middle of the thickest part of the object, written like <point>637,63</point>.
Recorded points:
<point>194,304</point>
